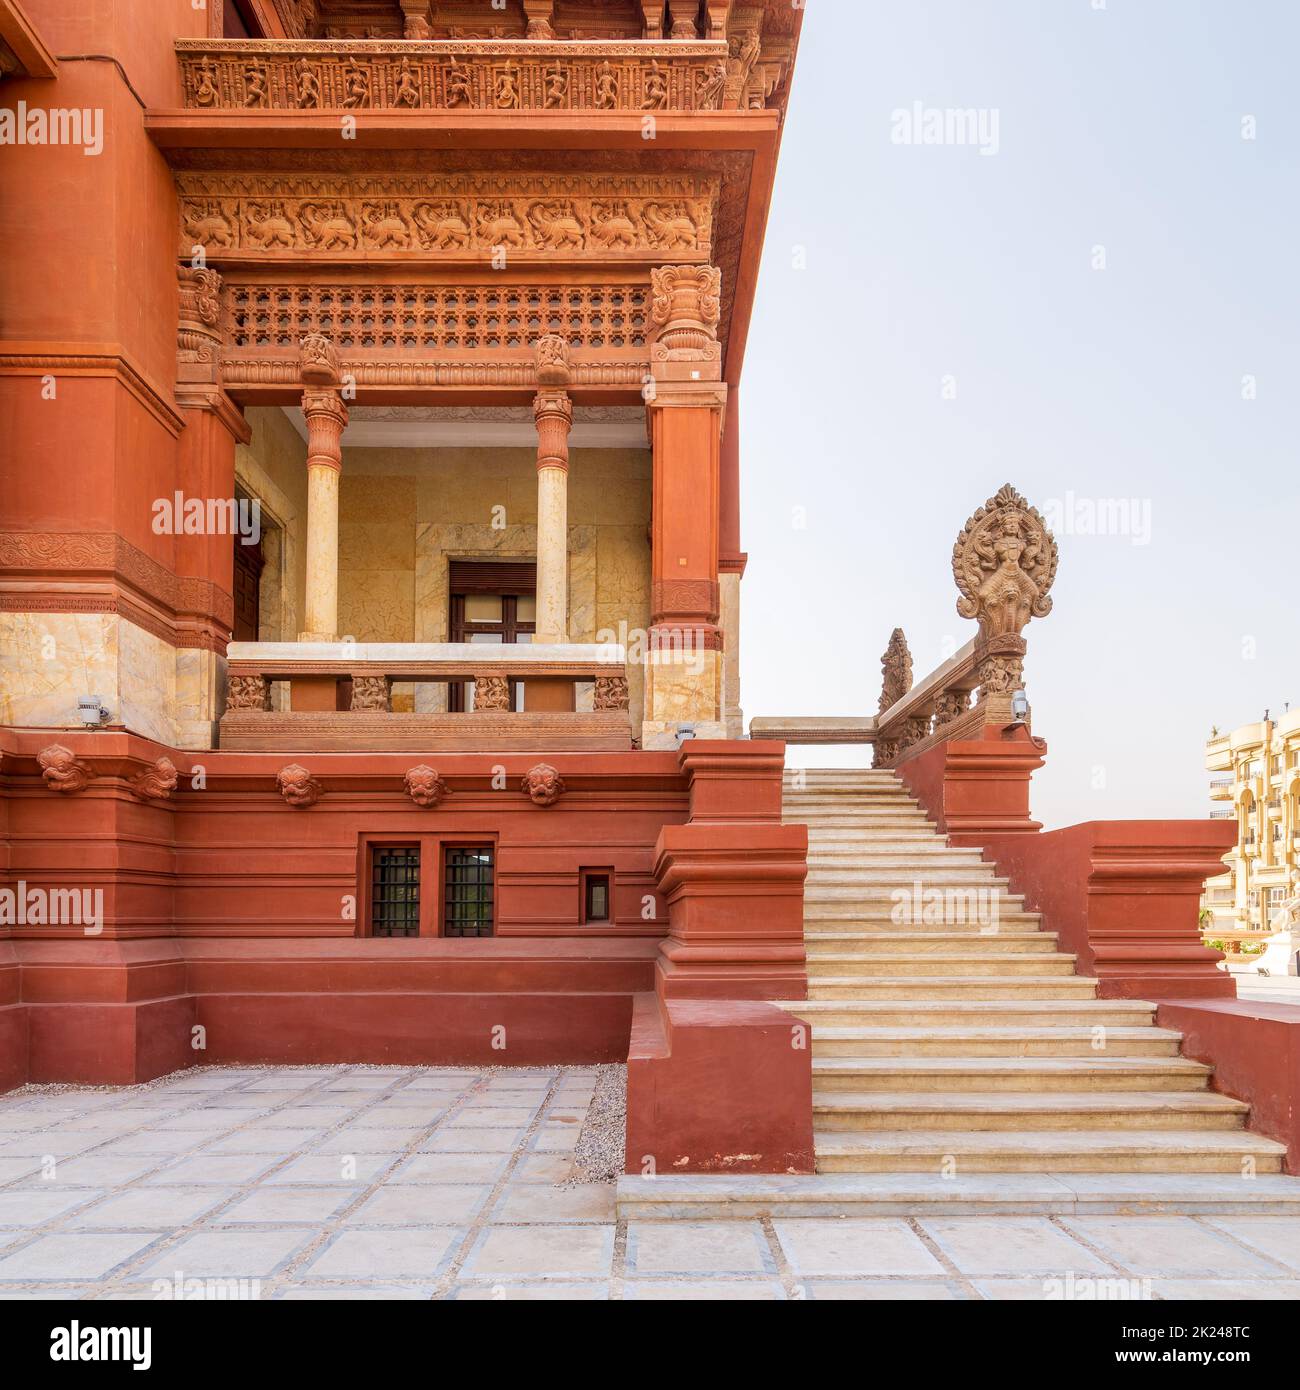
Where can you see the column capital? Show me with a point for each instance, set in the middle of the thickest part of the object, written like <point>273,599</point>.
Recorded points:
<point>553,411</point>
<point>327,418</point>
<point>320,360</point>
<point>685,310</point>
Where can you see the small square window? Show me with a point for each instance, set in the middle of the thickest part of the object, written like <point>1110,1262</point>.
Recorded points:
<point>596,897</point>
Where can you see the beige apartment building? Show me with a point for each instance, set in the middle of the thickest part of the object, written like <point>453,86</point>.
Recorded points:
<point>1255,778</point>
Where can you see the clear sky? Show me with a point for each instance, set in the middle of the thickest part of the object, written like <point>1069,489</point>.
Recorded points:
<point>894,270</point>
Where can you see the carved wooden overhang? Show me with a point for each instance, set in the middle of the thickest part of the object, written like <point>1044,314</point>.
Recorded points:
<point>440,272</point>
<point>754,42</point>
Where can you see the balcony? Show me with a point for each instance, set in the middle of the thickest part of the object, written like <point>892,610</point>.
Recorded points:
<point>1221,789</point>
<point>337,697</point>
<point>1222,815</point>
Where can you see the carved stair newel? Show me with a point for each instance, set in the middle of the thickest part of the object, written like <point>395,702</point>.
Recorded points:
<point>553,411</point>
<point>327,417</point>
<point>895,682</point>
<point>1004,563</point>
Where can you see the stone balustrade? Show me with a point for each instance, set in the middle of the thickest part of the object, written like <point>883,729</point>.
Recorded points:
<point>339,696</point>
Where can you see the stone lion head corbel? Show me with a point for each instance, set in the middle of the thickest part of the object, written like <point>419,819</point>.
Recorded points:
<point>425,787</point>
<point>298,787</point>
<point>63,771</point>
<point>543,785</point>
<point>156,782</point>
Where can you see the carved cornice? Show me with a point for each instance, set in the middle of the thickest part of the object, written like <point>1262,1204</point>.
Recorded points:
<point>157,599</point>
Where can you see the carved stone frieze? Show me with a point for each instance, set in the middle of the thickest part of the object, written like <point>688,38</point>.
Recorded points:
<point>442,75</point>
<point>371,693</point>
<point>248,693</point>
<point>536,215</point>
<point>491,693</point>
<point>895,670</point>
<point>611,693</point>
<point>1004,563</point>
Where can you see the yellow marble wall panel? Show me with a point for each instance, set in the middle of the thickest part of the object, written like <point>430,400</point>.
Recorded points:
<point>48,660</point>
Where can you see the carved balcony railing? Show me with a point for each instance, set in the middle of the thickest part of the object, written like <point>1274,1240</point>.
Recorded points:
<point>471,76</point>
<point>1004,564</point>
<point>339,697</point>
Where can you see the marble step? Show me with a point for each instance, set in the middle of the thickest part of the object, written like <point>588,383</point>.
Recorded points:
<point>836,844</point>
<point>1008,1074</point>
<point>965,1152</point>
<point>873,964</point>
<point>1014,1111</point>
<point>932,1014</point>
<point>882,917</point>
<point>934,987</point>
<point>741,1196</point>
<point>837,882</point>
<point>967,1042</point>
<point>908,942</point>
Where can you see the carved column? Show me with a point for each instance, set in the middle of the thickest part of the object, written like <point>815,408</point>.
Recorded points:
<point>731,568</point>
<point>686,409</point>
<point>327,417</point>
<point>553,411</point>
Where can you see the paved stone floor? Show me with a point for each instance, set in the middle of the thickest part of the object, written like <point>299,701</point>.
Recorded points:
<point>400,1182</point>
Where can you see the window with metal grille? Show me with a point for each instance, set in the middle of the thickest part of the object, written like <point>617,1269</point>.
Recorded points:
<point>395,891</point>
<point>467,879</point>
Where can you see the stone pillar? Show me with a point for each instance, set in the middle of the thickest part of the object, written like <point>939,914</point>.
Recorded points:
<point>731,568</point>
<point>327,417</point>
<point>204,563</point>
<point>686,411</point>
<point>553,412</point>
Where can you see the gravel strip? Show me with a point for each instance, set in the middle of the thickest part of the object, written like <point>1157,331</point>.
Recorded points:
<point>599,1155</point>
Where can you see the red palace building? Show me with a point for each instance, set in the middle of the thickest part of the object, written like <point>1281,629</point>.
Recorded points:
<point>370,566</point>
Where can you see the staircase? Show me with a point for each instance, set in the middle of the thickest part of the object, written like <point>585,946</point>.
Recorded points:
<point>951,1035</point>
